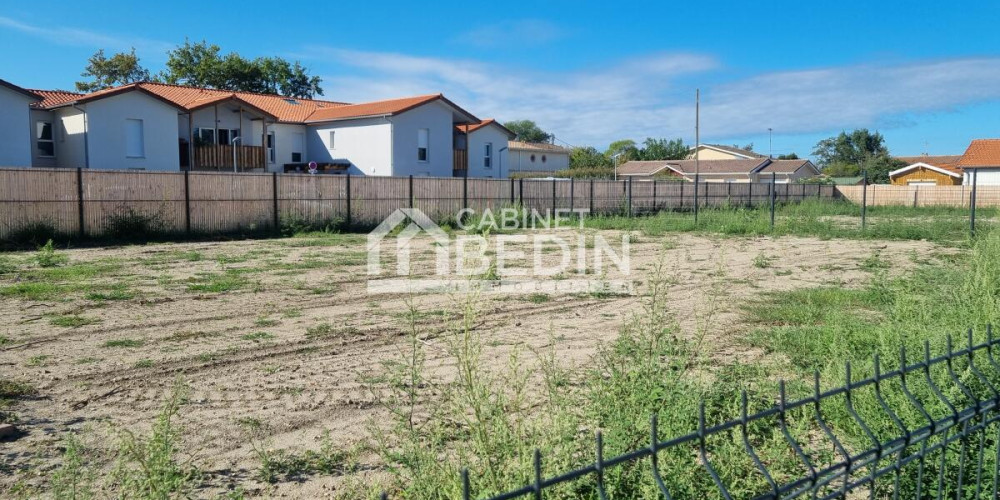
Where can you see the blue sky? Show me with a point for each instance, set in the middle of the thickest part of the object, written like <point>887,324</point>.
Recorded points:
<point>926,74</point>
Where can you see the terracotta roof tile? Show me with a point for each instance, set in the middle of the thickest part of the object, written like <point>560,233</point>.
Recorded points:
<point>718,166</point>
<point>472,127</point>
<point>982,153</point>
<point>636,167</point>
<point>54,98</point>
<point>283,109</point>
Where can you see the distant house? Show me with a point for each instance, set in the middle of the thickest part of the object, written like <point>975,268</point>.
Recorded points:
<point>155,126</point>
<point>925,170</point>
<point>537,157</point>
<point>730,170</point>
<point>481,149</point>
<point>983,158</point>
<point>15,125</point>
<point>719,152</point>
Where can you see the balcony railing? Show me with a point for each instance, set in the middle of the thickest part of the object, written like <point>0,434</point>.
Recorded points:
<point>220,157</point>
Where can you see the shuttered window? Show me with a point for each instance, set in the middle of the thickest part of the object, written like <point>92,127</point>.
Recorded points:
<point>135,146</point>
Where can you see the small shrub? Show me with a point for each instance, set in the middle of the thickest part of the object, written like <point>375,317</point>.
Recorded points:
<point>264,321</point>
<point>283,464</point>
<point>34,233</point>
<point>39,360</point>
<point>46,256</point>
<point>129,223</point>
<point>12,389</point>
<point>762,261</point>
<point>149,467</point>
<point>143,363</point>
<point>123,343</point>
<point>319,331</point>
<point>72,321</point>
<point>74,479</point>
<point>538,298</point>
<point>294,225</point>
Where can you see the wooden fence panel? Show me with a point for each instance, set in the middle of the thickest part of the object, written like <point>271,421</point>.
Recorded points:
<point>375,198</point>
<point>439,198</point>
<point>222,203</point>
<point>117,203</point>
<point>317,199</point>
<point>31,197</point>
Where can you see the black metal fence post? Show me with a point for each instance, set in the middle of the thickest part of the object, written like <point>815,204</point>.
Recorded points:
<point>520,191</point>
<point>411,191</point>
<point>682,195</point>
<point>864,198</point>
<point>512,191</point>
<point>79,201</point>
<point>654,195</point>
<point>348,199</point>
<point>274,199</point>
<point>972,204</point>
<point>187,202</point>
<point>774,181</point>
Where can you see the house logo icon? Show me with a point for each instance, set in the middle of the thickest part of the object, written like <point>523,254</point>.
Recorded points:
<point>416,222</point>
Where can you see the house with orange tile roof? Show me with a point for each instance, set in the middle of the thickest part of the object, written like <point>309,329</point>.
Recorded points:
<point>156,126</point>
<point>15,139</point>
<point>981,162</point>
<point>927,170</point>
<point>482,148</point>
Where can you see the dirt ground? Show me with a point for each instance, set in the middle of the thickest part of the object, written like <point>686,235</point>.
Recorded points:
<point>282,332</point>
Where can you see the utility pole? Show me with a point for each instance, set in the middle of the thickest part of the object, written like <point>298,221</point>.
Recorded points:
<point>770,144</point>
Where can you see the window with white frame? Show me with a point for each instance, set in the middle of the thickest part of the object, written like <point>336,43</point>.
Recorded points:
<point>270,147</point>
<point>488,155</point>
<point>423,144</point>
<point>135,146</point>
<point>332,134</point>
<point>43,140</point>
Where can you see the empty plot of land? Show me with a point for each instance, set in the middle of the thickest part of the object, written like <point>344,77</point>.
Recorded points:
<point>281,334</point>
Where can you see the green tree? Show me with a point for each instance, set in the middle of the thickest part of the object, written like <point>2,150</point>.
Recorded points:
<point>663,149</point>
<point>747,147</point>
<point>854,152</point>
<point>588,157</point>
<point>626,147</point>
<point>528,131</point>
<point>120,69</point>
<point>789,156</point>
<point>202,65</point>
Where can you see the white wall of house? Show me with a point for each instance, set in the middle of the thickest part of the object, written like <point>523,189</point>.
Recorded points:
<point>438,119</point>
<point>108,131</point>
<point>289,138</point>
<point>15,135</point>
<point>71,131</point>
<point>365,143</point>
<point>477,141</point>
<point>985,177</point>
<point>39,157</point>
<point>533,161</point>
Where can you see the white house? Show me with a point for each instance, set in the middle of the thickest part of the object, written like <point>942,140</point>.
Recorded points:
<point>15,125</point>
<point>485,144</point>
<point>982,159</point>
<point>537,157</point>
<point>154,126</point>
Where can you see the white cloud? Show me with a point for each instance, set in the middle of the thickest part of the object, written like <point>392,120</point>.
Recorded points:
<point>653,95</point>
<point>521,32</point>
<point>63,35</point>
